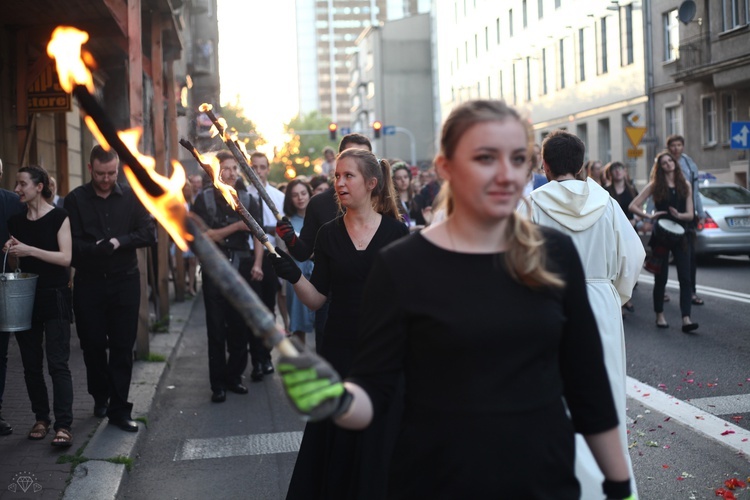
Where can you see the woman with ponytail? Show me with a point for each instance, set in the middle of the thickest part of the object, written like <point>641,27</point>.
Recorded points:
<point>486,317</point>
<point>333,462</point>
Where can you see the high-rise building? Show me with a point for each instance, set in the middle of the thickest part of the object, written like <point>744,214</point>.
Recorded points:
<point>326,32</point>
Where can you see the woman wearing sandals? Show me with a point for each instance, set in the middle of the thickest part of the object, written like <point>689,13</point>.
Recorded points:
<point>40,242</point>
<point>674,201</point>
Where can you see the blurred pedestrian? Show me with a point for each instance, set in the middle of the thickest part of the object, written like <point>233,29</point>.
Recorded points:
<point>407,205</point>
<point>333,462</point>
<point>319,184</point>
<point>10,205</point>
<point>108,224</point>
<point>612,255</point>
<point>467,372</point>
<point>673,201</point>
<point>328,167</point>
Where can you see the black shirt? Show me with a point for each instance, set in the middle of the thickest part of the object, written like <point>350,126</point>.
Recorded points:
<point>222,215</point>
<point>10,205</point>
<point>120,215</point>
<point>41,233</point>
<point>322,208</point>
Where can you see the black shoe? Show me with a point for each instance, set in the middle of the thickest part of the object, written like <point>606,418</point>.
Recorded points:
<point>237,388</point>
<point>267,367</point>
<point>690,327</point>
<point>5,427</point>
<point>219,396</point>
<point>257,374</point>
<point>125,424</point>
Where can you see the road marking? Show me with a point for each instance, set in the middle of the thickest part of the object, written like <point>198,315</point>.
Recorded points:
<point>724,405</point>
<point>702,290</point>
<point>691,416</point>
<point>238,446</point>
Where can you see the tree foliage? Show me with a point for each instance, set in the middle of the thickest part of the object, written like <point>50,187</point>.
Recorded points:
<point>302,152</point>
<point>234,114</point>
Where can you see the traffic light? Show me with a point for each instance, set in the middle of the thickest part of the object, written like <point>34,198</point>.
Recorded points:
<point>376,128</point>
<point>332,128</point>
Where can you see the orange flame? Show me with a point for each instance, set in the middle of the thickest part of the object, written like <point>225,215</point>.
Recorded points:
<point>65,48</point>
<point>91,124</point>
<point>169,208</point>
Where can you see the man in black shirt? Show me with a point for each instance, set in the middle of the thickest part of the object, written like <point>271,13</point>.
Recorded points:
<point>225,328</point>
<point>107,223</point>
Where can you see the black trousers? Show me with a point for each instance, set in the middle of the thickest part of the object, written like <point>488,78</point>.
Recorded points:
<point>681,252</point>
<point>266,290</point>
<point>227,333</point>
<point>4,339</point>
<point>54,336</point>
<point>106,313</point>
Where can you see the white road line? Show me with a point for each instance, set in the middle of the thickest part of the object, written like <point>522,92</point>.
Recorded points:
<point>702,290</point>
<point>724,405</point>
<point>239,446</point>
<point>694,418</point>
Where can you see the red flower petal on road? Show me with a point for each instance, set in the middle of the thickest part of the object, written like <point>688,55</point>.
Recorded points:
<point>733,483</point>
<point>665,466</point>
<point>737,418</point>
<point>647,394</point>
<point>727,432</point>
<point>667,419</point>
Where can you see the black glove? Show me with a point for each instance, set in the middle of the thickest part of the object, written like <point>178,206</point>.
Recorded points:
<point>104,247</point>
<point>285,231</point>
<point>312,385</point>
<point>617,490</point>
<point>285,266</point>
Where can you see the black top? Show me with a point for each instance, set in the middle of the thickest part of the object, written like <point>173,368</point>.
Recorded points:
<point>623,199</point>
<point>10,205</point>
<point>41,233</point>
<point>225,215</point>
<point>322,208</point>
<point>120,215</point>
<point>481,353</point>
<point>673,200</point>
<point>340,274</point>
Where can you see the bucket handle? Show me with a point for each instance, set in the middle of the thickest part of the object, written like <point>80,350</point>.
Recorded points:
<point>18,262</point>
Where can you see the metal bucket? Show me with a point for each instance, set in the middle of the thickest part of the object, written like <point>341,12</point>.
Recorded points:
<point>17,292</point>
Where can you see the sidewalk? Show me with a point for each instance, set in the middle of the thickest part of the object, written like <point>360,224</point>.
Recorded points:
<point>36,470</point>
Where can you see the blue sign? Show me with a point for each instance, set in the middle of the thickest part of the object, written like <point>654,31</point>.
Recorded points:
<point>389,130</point>
<point>345,130</point>
<point>740,135</point>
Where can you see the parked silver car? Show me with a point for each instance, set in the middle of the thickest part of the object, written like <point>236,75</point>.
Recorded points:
<point>727,226</point>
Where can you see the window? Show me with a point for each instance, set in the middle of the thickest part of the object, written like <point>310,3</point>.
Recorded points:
<point>528,78</point>
<point>558,3</point>
<point>497,26</point>
<point>601,55</point>
<point>735,13</point>
<point>476,46</point>
<point>672,120</point>
<point>581,58</point>
<point>466,51</point>
<point>605,141</point>
<point>458,59</point>
<point>561,58</point>
<point>540,8</point>
<point>626,35</point>
<point>515,95</point>
<point>486,39</point>
<point>525,13</point>
<point>708,107</point>
<point>500,82</point>
<point>510,22</point>
<point>489,87</point>
<point>729,115</point>
<point>544,71</point>
<point>671,35</point>
<point>582,131</point>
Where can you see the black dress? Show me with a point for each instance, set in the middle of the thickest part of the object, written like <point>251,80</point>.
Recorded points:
<point>335,463</point>
<point>487,363</point>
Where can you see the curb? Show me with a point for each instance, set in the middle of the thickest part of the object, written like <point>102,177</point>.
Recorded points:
<point>99,477</point>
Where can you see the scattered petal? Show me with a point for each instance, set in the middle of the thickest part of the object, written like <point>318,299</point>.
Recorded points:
<point>737,418</point>
<point>662,386</point>
<point>646,395</point>
<point>666,447</point>
<point>667,419</point>
<point>699,417</point>
<point>727,432</point>
<point>665,466</point>
<point>652,444</point>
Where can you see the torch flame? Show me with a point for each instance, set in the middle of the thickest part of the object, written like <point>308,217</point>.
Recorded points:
<point>227,191</point>
<point>65,48</point>
<point>169,208</point>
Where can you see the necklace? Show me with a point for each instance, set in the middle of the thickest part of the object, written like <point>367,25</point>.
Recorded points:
<point>366,234</point>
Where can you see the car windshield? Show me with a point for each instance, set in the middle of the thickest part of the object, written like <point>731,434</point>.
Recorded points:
<point>725,195</point>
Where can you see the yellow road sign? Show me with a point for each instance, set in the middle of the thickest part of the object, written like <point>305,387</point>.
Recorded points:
<point>635,134</point>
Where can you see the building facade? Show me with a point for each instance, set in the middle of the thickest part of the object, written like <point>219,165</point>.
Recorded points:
<point>391,81</point>
<point>702,80</point>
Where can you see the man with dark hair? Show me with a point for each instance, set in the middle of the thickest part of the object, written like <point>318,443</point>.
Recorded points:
<point>10,205</point>
<point>612,255</point>
<point>225,328</point>
<point>264,280</point>
<point>108,224</point>
<point>676,146</point>
<point>322,208</point>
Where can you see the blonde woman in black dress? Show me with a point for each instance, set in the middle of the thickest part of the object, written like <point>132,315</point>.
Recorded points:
<point>486,317</point>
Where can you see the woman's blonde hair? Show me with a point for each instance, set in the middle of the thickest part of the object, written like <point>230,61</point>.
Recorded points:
<point>526,257</point>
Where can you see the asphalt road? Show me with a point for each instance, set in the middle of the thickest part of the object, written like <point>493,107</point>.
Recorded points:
<point>246,447</point>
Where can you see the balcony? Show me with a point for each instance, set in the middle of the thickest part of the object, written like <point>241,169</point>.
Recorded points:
<point>695,53</point>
